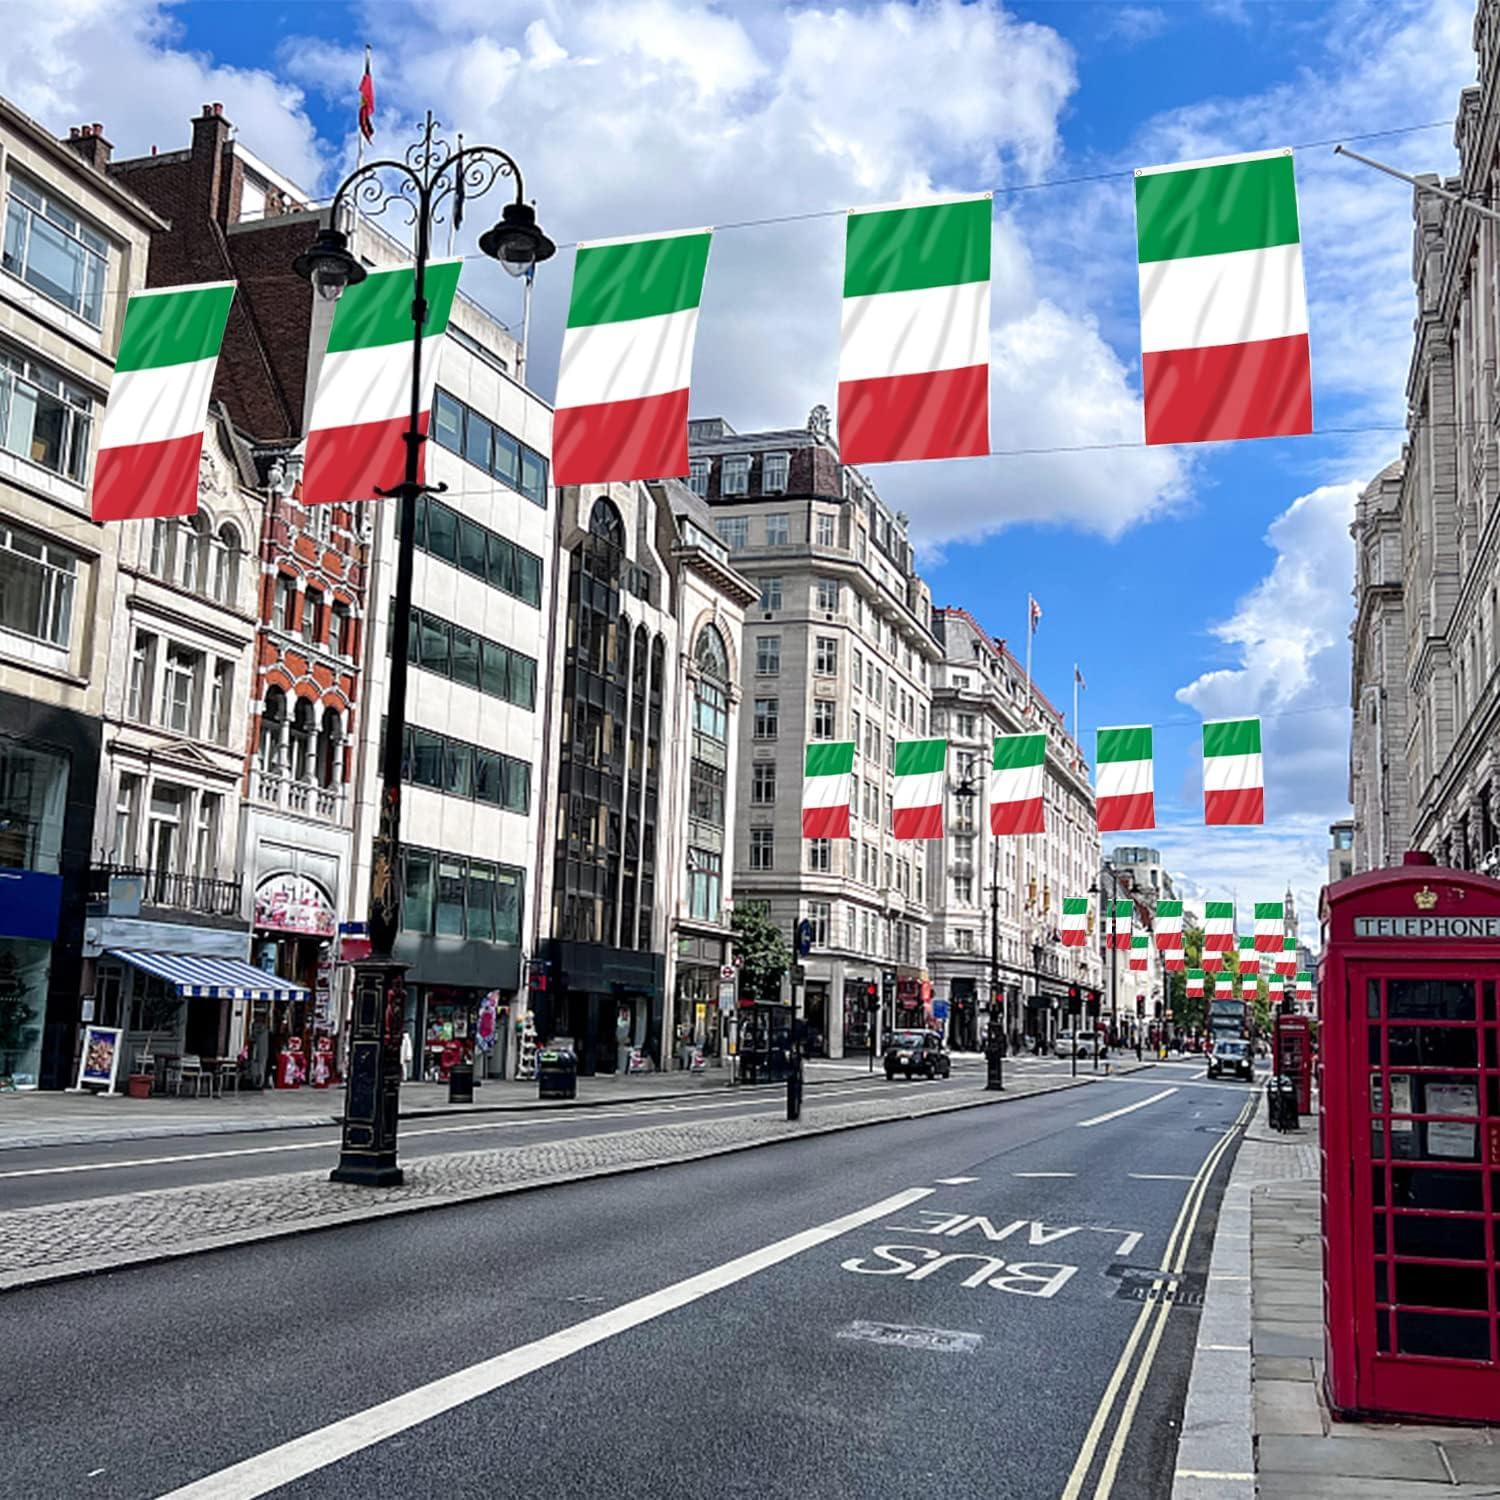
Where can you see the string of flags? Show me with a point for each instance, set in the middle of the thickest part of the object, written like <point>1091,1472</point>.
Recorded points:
<point>1223,337</point>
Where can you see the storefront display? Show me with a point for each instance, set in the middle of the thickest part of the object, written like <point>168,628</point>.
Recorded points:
<point>99,1058</point>
<point>25,964</point>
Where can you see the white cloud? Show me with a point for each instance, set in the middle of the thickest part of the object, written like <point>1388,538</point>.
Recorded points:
<point>1134,24</point>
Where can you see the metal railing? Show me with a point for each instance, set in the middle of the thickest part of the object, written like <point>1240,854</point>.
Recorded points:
<point>203,894</point>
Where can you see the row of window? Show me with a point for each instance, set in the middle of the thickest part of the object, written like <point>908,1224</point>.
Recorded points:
<point>458,769</point>
<point>312,614</point>
<point>478,551</point>
<point>466,657</point>
<point>181,826</point>
<point>451,895</point>
<point>186,551</point>
<point>52,250</point>
<point>866,932</point>
<point>44,417</point>
<point>734,474</point>
<point>178,688</point>
<point>462,430</point>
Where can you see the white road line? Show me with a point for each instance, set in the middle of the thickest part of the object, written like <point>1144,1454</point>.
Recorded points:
<point>955,1181</point>
<point>1162,1176</point>
<point>1044,1174</point>
<point>1115,1114</point>
<point>316,1450</point>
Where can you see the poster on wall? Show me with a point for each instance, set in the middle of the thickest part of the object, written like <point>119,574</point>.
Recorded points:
<point>293,903</point>
<point>99,1060</point>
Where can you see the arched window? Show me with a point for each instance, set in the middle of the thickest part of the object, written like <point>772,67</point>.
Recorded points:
<point>330,748</point>
<point>711,696</point>
<point>302,740</point>
<point>163,546</point>
<point>605,522</point>
<point>227,565</point>
<point>270,731</point>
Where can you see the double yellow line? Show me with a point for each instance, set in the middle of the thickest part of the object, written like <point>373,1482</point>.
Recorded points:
<point>1158,1305</point>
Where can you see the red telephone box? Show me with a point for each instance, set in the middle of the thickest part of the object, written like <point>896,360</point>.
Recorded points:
<point>1410,1045</point>
<point>1292,1049</point>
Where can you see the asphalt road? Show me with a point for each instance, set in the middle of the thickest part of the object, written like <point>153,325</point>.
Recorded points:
<point>828,1317</point>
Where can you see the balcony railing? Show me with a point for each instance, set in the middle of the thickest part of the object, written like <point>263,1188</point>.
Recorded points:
<point>298,796</point>
<point>202,894</point>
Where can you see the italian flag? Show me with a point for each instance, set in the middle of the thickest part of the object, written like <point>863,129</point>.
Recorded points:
<point>1016,782</point>
<point>914,371</point>
<point>1212,960</point>
<point>828,770</point>
<point>1286,960</point>
<point>1174,958</point>
<point>1233,780</point>
<point>1195,978</point>
<point>1140,951</point>
<point>627,358</point>
<point>1218,926</point>
<point>1274,987</point>
<point>152,433</point>
<point>362,406</point>
<point>1169,924</point>
<point>919,788</point>
<point>1224,350</point>
<point>1122,928</point>
<point>1270,926</point>
<point>1249,987</point>
<point>1249,959</point>
<point>1124,787</point>
<point>1075,921</point>
<point>1304,985</point>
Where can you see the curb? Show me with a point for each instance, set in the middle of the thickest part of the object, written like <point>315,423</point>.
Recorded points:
<point>77,1270</point>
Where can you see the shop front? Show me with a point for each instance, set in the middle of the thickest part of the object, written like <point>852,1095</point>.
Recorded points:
<point>861,1001</point>
<point>461,996</point>
<point>606,1001</point>
<point>295,924</point>
<point>963,1015</point>
<point>698,1022</point>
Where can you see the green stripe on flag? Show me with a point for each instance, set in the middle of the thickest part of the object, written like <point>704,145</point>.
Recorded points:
<point>1232,737</point>
<point>907,249</point>
<point>1304,976</point>
<point>1197,974</point>
<point>1213,909</point>
<point>378,310</point>
<point>1075,906</point>
<point>173,328</point>
<point>1169,908</point>
<point>1242,205</point>
<point>1014,752</point>
<point>1246,944</point>
<point>1123,908</point>
<point>829,759</point>
<point>638,279</point>
<point>921,757</point>
<point>1140,940</point>
<point>1132,743</point>
<point>1268,911</point>
<point>1289,945</point>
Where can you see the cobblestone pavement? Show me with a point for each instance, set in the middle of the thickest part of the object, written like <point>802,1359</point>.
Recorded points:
<point>58,1241</point>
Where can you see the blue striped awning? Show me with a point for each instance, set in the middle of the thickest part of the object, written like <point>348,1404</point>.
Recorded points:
<point>194,977</point>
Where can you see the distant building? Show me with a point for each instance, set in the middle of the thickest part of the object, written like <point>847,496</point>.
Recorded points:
<point>1340,850</point>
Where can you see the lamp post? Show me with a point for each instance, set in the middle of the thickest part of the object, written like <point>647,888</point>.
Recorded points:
<point>428,177</point>
<point>994,1040</point>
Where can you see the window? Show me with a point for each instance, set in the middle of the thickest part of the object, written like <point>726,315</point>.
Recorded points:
<point>312,609</point>
<point>767,718</point>
<point>827,595</point>
<point>854,728</point>
<point>206,837</point>
<point>823,528</point>
<point>272,721</point>
<point>763,783</point>
<point>222,703</point>
<point>963,889</point>
<point>462,430</point>
<point>818,913</point>
<point>698,471</point>
<point>705,880</point>
<point>820,855</point>
<point>341,637</point>
<point>191,554</point>
<point>226,555</point>
<point>711,697</point>
<point>825,718</point>
<point>825,656</point>
<point>773,472</point>
<point>767,655</point>
<point>770,593</point>
<point>964,939</point>
<point>179,686</point>
<point>734,478</point>
<point>37,583</point>
<point>857,672</point>
<point>851,927</point>
<point>778,530</point>
<point>964,724</point>
<point>127,816</point>
<point>762,849</point>
<point>284,611</point>
<point>478,551</point>
<point>303,732</point>
<point>458,769</point>
<point>44,417</point>
<point>706,793</point>
<point>734,532</point>
<point>50,249</point>
<point>450,651</point>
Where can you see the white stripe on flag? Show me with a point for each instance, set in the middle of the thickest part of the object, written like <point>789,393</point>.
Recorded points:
<point>370,385</point>
<point>1236,297</point>
<point>626,361</point>
<point>1122,778</point>
<point>825,791</point>
<point>155,406</point>
<point>925,790</point>
<point>1231,773</point>
<point>911,333</point>
<point>1024,784</point>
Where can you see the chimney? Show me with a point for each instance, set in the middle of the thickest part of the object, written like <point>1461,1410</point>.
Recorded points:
<point>88,141</point>
<point>211,132</point>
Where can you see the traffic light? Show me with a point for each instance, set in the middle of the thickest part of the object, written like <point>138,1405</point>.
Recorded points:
<point>872,995</point>
<point>1075,999</point>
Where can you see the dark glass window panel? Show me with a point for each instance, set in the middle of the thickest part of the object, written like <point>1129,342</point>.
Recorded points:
<point>420,532</point>
<point>1432,1333</point>
<point>509,890</point>
<point>1445,1239</point>
<point>507,460</point>
<point>1489,999</point>
<point>1377,1141</point>
<point>501,565</point>
<point>517,785</point>
<point>450,897</point>
<point>1383,1332</point>
<point>471,548</point>
<point>1432,1090</point>
<point>416,907</point>
<point>442,531</point>
<point>487,777</point>
<point>481,908</point>
<point>1372,998</point>
<point>522,680</point>
<point>496,669</point>
<point>448,422</point>
<point>434,647</point>
<point>528,577</point>
<point>533,476</point>
<point>458,774</point>
<point>1430,999</point>
<point>1382,1281</point>
<point>477,439</point>
<point>1373,1044</point>
<point>427,758</point>
<point>1380,1236</point>
<point>1377,1185</point>
<point>1433,1187</point>
<point>465,657</point>
<point>1433,1046</point>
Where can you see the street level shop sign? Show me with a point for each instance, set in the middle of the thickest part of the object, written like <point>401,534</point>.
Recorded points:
<point>293,903</point>
<point>1467,929</point>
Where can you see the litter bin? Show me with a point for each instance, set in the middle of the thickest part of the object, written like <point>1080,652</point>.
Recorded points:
<point>557,1073</point>
<point>1281,1103</point>
<point>461,1083</point>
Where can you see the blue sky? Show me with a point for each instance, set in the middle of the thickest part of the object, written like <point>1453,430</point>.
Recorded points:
<point>1187,583</point>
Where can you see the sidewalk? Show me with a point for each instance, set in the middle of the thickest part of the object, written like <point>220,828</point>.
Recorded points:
<point>57,1242</point>
<point>1256,1420</point>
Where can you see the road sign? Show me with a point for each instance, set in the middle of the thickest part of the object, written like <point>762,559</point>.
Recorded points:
<point>727,971</point>
<point>804,938</point>
<point>726,995</point>
<point>939,1010</point>
<point>799,973</point>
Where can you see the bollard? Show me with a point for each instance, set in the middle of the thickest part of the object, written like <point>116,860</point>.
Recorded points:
<point>794,1089</point>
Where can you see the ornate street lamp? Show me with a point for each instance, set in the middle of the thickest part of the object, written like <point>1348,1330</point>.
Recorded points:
<point>430,174</point>
<point>994,1041</point>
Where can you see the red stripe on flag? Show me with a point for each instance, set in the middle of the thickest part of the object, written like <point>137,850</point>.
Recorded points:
<point>941,414</point>
<point>918,822</point>
<point>350,463</point>
<point>1259,389</point>
<point>1269,942</point>
<point>645,438</point>
<point>1073,939</point>
<point>1247,805</point>
<point>147,479</point>
<point>825,822</point>
<point>1017,817</point>
<point>1137,810</point>
<point>1220,942</point>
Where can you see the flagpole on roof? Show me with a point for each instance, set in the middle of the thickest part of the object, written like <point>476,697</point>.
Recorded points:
<point>1030,632</point>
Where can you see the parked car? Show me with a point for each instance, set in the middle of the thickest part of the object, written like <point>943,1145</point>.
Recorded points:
<point>917,1052</point>
<point>1083,1043</point>
<point>1231,1054</point>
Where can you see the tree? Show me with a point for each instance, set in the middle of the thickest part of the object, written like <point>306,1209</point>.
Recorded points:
<point>762,950</point>
<point>1188,1015</point>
